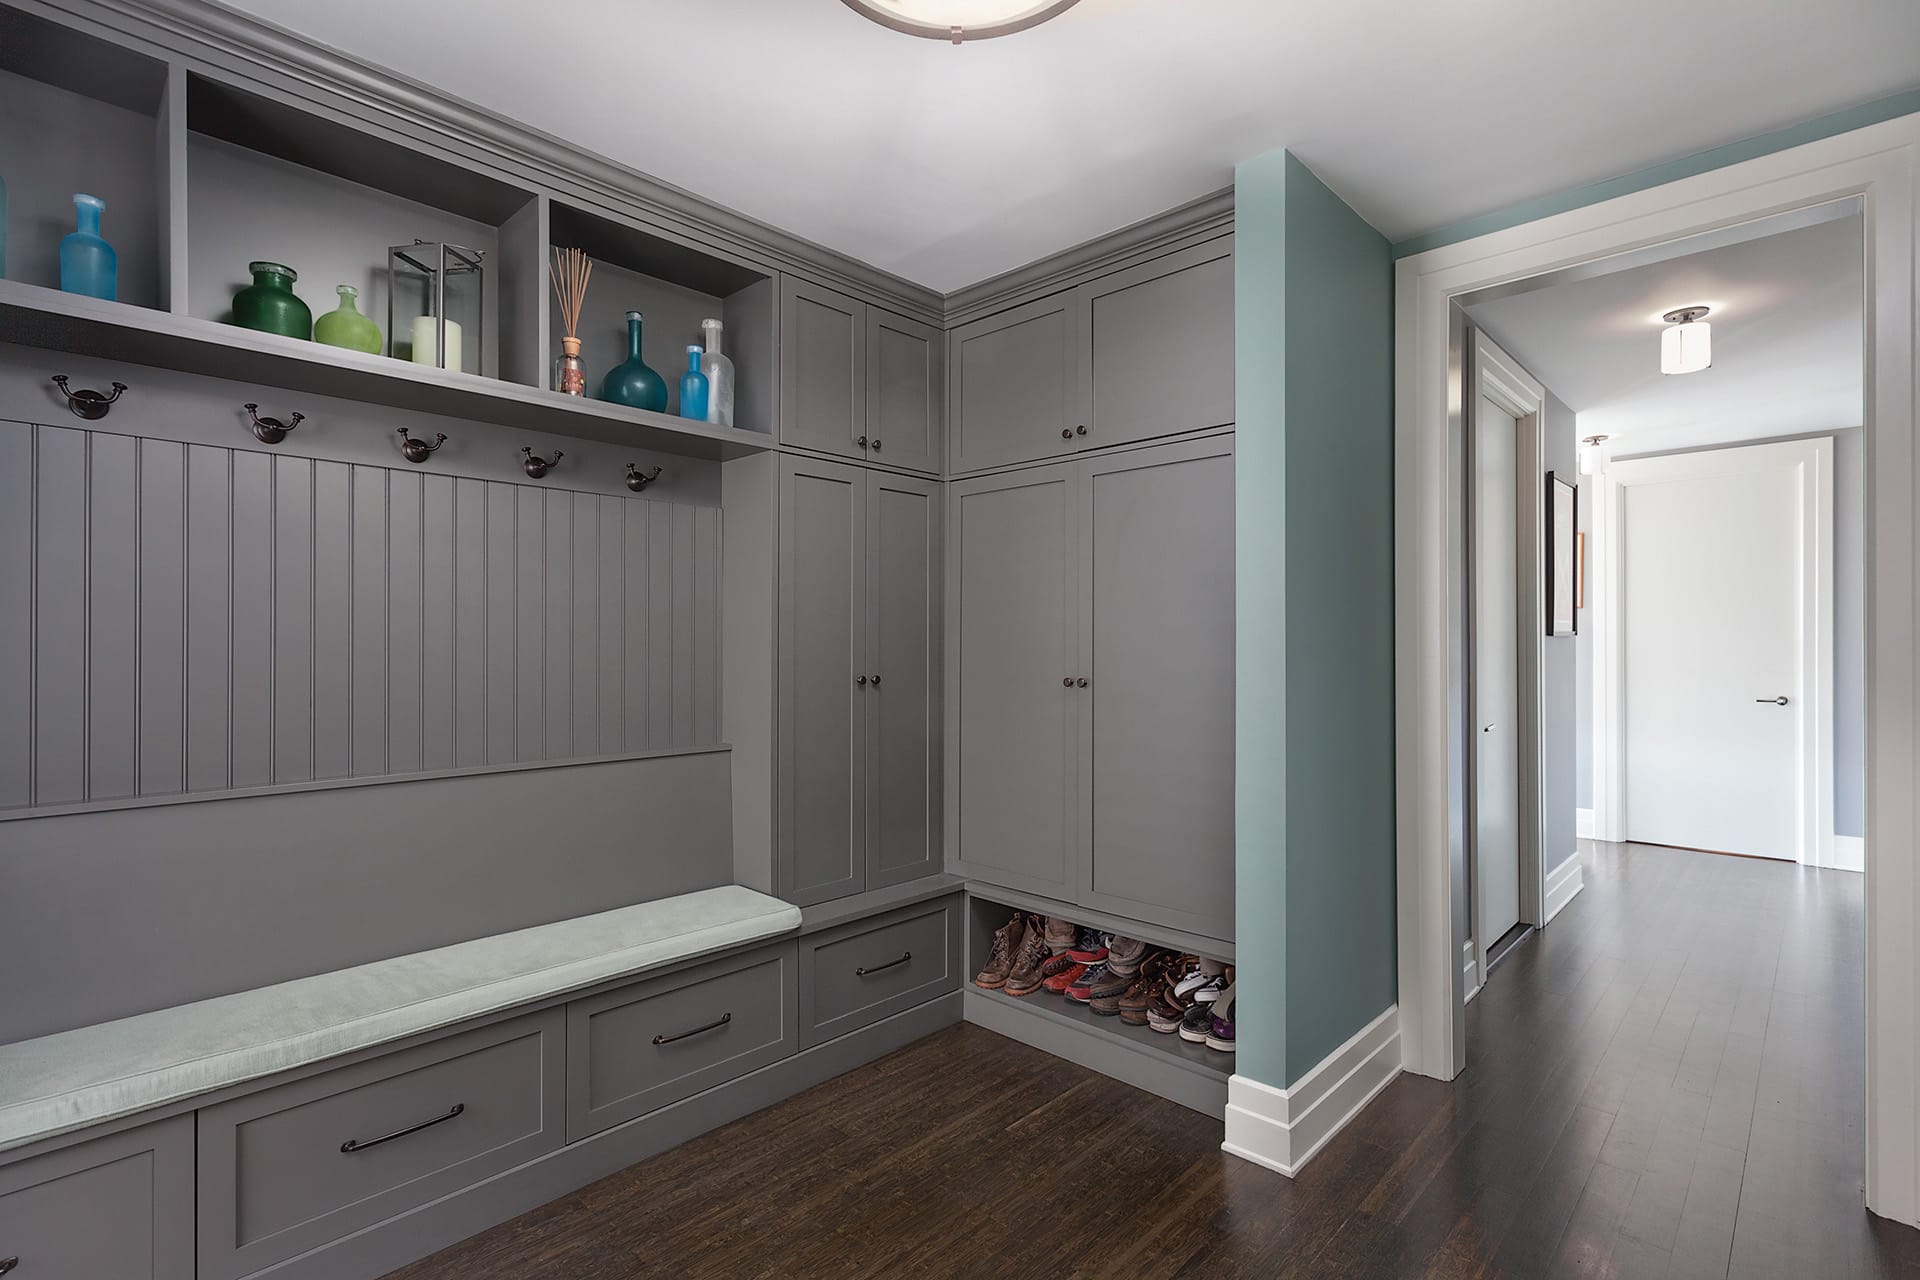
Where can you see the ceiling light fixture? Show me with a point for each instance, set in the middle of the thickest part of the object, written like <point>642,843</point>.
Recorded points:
<point>1686,346</point>
<point>1593,458</point>
<point>959,20</point>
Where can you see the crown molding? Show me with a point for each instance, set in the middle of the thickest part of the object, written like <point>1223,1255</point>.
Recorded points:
<point>211,38</point>
<point>1197,220</point>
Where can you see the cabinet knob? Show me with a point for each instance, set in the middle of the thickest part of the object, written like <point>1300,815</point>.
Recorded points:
<point>862,442</point>
<point>1067,683</point>
<point>1066,433</point>
<point>875,446</point>
<point>860,680</point>
<point>1080,430</point>
<point>1082,682</point>
<point>876,682</point>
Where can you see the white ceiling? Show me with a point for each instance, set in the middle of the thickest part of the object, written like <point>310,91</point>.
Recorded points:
<point>1788,349</point>
<point>948,165</point>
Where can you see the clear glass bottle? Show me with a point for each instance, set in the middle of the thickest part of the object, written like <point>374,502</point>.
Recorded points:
<point>569,374</point>
<point>719,371</point>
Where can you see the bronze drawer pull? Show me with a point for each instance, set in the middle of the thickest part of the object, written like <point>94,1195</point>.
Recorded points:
<point>352,1145</point>
<point>881,968</point>
<point>722,1021</point>
<point>8,1264</point>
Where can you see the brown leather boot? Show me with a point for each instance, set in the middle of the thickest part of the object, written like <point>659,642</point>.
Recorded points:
<point>1152,978</point>
<point>1029,960</point>
<point>1006,940</point>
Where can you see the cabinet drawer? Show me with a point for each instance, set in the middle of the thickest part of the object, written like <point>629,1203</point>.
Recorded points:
<point>862,972</point>
<point>291,1168</point>
<point>116,1208</point>
<point>639,1048</point>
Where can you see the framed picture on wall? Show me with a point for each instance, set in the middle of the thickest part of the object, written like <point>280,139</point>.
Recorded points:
<point>1563,563</point>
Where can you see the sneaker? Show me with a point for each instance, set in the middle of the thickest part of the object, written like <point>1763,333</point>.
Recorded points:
<point>1209,991</point>
<point>1006,940</point>
<point>1028,959</point>
<point>1065,975</point>
<point>1164,1010</point>
<point>1190,979</point>
<point>1134,1000</point>
<point>1125,954</point>
<point>1103,996</point>
<point>1061,934</point>
<point>1090,947</point>
<point>1220,1031</point>
<point>1196,1023</point>
<point>1081,989</point>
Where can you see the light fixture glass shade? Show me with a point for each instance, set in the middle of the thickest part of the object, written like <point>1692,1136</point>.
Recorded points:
<point>1686,348</point>
<point>959,20</point>
<point>1593,455</point>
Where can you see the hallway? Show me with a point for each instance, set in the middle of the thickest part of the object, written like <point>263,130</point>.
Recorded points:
<point>1666,1082</point>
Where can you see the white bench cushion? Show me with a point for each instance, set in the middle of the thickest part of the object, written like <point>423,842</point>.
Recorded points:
<point>63,1082</point>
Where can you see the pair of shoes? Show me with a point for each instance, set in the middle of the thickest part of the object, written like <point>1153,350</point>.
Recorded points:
<point>1100,987</point>
<point>1014,959</point>
<point>1132,988</point>
<point>1061,972</point>
<point>1125,956</point>
<point>1061,934</point>
<point>1029,960</point>
<point>1090,947</point>
<point>1196,984</point>
<point>1006,940</point>
<point>1220,1033</point>
<point>1134,1003</point>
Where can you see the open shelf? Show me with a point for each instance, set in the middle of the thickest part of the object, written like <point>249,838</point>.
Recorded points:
<point>78,114</point>
<point>115,331</point>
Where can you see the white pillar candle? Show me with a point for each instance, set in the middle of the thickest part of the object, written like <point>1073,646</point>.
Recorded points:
<point>427,351</point>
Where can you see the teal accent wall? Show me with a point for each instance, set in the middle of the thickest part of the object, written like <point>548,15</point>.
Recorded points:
<point>1260,617</point>
<point>1314,716</point>
<point>1827,126</point>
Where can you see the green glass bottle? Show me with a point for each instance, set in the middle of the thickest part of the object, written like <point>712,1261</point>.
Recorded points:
<point>269,304</point>
<point>633,383</point>
<point>344,326</point>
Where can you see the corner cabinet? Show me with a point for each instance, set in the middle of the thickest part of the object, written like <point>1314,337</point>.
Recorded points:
<point>858,675</point>
<point>1090,682</point>
<point>1138,354</point>
<point>858,381</point>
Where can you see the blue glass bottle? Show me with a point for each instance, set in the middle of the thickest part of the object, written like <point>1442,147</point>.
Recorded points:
<point>633,383</point>
<point>88,264</point>
<point>693,387</point>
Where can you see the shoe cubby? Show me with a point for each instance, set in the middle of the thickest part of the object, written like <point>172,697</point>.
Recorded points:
<point>78,114</point>
<point>1159,1062</point>
<point>674,286</point>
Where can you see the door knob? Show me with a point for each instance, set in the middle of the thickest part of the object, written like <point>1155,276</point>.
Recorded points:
<point>861,680</point>
<point>1780,701</point>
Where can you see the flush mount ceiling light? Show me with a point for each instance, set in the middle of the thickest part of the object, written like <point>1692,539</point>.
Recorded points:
<point>959,20</point>
<point>1592,456</point>
<point>1687,345</point>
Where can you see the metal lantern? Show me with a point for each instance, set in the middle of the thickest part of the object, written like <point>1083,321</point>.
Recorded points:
<point>435,305</point>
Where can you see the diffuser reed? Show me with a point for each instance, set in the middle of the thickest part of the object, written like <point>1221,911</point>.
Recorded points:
<point>570,270</point>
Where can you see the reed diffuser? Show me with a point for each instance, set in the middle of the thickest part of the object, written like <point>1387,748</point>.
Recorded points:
<point>570,270</point>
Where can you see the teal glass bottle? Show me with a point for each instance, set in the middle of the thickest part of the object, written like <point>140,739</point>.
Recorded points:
<point>344,326</point>
<point>631,382</point>
<point>88,264</point>
<point>693,387</point>
<point>269,303</point>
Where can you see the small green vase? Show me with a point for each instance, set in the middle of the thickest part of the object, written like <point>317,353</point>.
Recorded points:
<point>269,304</point>
<point>344,326</point>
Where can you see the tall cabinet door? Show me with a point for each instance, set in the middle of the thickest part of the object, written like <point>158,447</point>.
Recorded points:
<point>1156,629</point>
<point>1013,392</point>
<point>1012,703</point>
<point>821,707</point>
<point>1159,346</point>
<point>906,391</point>
<point>823,373</point>
<point>903,693</point>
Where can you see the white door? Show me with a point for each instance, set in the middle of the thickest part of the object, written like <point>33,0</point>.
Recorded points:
<point>1496,669</point>
<point>1712,645</point>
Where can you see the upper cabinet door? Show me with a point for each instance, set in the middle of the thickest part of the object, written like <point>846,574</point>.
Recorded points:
<point>1156,629</point>
<point>1160,346</point>
<point>903,696</point>
<point>1013,699</point>
<point>823,373</point>
<point>1014,391</point>
<point>821,707</point>
<point>906,391</point>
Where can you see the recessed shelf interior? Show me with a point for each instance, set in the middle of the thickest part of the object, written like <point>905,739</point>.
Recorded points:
<point>675,287</point>
<point>78,114</point>
<point>266,181</point>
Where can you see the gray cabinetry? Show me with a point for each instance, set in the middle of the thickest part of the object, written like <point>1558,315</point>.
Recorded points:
<point>115,1208</point>
<point>1014,385</point>
<point>1156,719</point>
<point>1159,347</point>
<point>906,391</point>
<point>1090,682</point>
<point>859,641</point>
<point>862,972</point>
<point>1011,704</point>
<point>823,374</point>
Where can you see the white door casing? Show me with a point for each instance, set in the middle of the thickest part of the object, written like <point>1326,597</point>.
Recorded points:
<point>1720,581</point>
<point>1876,167</point>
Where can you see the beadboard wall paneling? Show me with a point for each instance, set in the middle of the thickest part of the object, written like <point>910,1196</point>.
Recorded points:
<point>193,618</point>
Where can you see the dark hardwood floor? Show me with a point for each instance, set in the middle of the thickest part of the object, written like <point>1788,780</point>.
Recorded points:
<point>1665,1082</point>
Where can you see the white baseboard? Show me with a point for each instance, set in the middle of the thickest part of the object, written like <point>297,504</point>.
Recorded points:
<point>1563,882</point>
<point>1583,823</point>
<point>1849,853</point>
<point>1282,1129</point>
